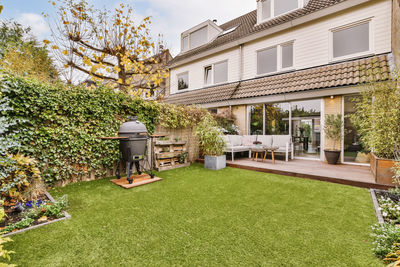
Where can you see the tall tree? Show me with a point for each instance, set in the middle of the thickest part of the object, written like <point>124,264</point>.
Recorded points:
<point>107,45</point>
<point>21,53</point>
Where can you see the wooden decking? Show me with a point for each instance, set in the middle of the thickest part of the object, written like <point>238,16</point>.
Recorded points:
<point>343,174</point>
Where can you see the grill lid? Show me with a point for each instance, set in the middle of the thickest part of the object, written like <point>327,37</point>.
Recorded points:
<point>133,126</point>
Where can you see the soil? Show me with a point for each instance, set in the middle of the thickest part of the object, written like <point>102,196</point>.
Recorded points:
<point>14,217</point>
<point>387,194</point>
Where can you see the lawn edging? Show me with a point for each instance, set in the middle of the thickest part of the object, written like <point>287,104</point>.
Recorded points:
<point>376,205</point>
<point>50,197</point>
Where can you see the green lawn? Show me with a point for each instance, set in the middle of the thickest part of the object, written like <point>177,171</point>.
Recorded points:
<point>208,218</point>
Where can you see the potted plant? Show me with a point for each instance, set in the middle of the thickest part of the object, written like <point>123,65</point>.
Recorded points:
<point>333,131</point>
<point>211,143</point>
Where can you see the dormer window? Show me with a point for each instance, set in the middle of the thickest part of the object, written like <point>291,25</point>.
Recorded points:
<point>268,9</point>
<point>199,35</point>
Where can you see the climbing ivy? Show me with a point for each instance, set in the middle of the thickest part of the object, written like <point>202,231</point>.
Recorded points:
<point>60,125</point>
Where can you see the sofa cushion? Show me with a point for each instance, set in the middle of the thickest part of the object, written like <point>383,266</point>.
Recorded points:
<point>227,140</point>
<point>280,140</point>
<point>236,140</point>
<point>248,140</point>
<point>265,140</point>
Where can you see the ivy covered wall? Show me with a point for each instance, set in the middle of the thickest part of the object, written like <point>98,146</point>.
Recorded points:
<point>59,125</point>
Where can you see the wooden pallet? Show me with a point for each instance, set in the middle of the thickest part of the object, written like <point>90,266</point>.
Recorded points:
<point>167,153</point>
<point>138,180</point>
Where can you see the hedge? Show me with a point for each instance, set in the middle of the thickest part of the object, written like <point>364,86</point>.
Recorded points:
<point>59,125</point>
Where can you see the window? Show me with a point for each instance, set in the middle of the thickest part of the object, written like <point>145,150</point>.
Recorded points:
<point>266,9</point>
<point>216,73</point>
<point>198,37</point>
<point>208,75</point>
<point>185,43</point>
<point>267,60</point>
<point>273,8</point>
<point>351,40</point>
<point>277,119</point>
<point>283,6</point>
<point>221,72</point>
<point>287,56</point>
<point>183,81</point>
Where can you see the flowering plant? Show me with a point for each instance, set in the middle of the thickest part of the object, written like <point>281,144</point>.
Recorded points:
<point>390,209</point>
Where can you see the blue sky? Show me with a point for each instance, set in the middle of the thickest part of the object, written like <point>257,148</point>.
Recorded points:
<point>169,17</point>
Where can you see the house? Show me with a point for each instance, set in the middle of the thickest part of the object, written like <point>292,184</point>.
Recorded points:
<point>282,67</point>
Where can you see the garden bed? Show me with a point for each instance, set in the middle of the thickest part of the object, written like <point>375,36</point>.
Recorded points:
<point>42,211</point>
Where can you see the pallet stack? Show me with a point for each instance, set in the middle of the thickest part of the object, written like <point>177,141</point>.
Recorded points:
<point>168,154</point>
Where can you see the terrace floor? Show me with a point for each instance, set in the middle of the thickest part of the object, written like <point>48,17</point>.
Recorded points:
<point>343,173</point>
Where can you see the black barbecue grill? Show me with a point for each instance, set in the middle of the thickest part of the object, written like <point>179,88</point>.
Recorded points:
<point>133,137</point>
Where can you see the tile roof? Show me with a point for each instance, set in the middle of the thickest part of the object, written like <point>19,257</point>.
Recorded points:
<point>247,26</point>
<point>330,76</point>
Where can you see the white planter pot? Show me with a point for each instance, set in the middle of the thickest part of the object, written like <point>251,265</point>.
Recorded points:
<point>215,162</point>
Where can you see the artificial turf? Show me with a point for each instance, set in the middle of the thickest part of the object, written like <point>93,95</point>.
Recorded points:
<point>208,218</point>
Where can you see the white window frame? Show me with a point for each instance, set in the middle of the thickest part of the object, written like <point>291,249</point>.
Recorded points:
<point>182,42</point>
<point>300,4</point>
<point>347,26</point>
<point>212,73</point>
<point>279,67</point>
<point>177,81</point>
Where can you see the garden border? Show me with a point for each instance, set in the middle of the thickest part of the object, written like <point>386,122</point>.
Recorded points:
<point>67,216</point>
<point>376,205</point>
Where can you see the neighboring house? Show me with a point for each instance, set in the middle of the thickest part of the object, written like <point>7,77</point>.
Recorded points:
<point>283,66</point>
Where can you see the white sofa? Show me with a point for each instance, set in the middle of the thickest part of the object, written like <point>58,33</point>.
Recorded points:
<point>238,143</point>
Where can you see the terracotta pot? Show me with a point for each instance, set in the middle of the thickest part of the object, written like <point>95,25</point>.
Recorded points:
<point>332,156</point>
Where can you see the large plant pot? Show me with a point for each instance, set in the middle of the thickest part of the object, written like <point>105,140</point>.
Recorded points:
<point>382,169</point>
<point>215,162</point>
<point>332,156</point>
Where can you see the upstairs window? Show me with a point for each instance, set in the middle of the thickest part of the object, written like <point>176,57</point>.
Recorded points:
<point>195,38</point>
<point>185,43</point>
<point>273,8</point>
<point>276,58</point>
<point>351,40</point>
<point>183,81</point>
<point>216,73</point>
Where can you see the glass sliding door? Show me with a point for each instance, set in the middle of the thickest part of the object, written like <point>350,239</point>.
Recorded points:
<point>306,128</point>
<point>256,119</point>
<point>277,119</point>
<point>353,149</point>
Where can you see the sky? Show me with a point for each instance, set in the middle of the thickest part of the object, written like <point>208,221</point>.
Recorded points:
<point>169,17</point>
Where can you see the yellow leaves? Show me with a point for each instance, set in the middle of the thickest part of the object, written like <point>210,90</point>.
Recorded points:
<point>46,42</point>
<point>117,22</point>
<point>65,52</point>
<point>100,37</point>
<point>120,81</point>
<point>53,3</point>
<point>66,66</point>
<point>117,69</point>
<point>82,49</point>
<point>86,61</point>
<point>54,47</point>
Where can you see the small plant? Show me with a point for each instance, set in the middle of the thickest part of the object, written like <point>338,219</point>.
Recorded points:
<point>164,138</point>
<point>24,223</point>
<point>165,149</point>
<point>182,157</point>
<point>2,212</point>
<point>390,210</point>
<point>177,139</point>
<point>393,258</point>
<point>333,128</point>
<point>385,236</point>
<point>5,254</point>
<point>210,137</point>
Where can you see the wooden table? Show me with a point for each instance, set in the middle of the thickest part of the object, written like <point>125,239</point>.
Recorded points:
<point>257,150</point>
<point>272,149</point>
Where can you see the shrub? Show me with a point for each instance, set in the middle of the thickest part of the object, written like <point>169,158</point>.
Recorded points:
<point>384,235</point>
<point>226,120</point>
<point>210,137</point>
<point>333,128</point>
<point>377,116</point>
<point>5,254</point>
<point>18,174</point>
<point>390,209</point>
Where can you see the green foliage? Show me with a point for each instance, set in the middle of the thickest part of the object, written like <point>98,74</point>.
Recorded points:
<point>60,125</point>
<point>210,137</point>
<point>333,128</point>
<point>377,117</point>
<point>390,209</point>
<point>56,208</point>
<point>173,116</point>
<point>393,258</point>
<point>5,254</point>
<point>22,54</point>
<point>24,223</point>
<point>384,235</point>
<point>17,174</point>
<point>2,212</point>
<point>226,121</point>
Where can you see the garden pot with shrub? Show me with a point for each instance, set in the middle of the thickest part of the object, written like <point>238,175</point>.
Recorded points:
<point>332,156</point>
<point>333,131</point>
<point>211,143</point>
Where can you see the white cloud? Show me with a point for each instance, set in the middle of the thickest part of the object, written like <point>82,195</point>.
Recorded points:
<point>36,22</point>
<point>171,17</point>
